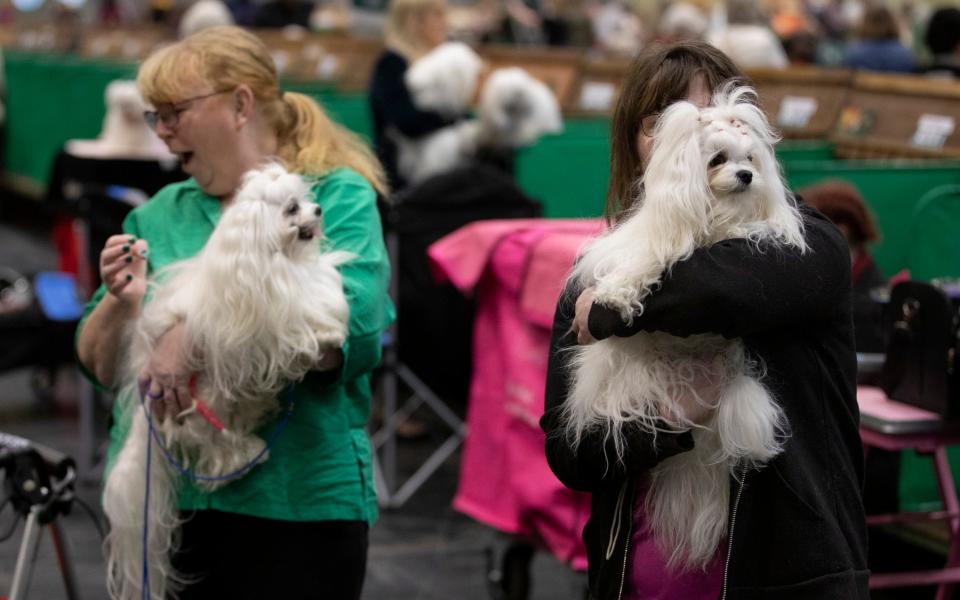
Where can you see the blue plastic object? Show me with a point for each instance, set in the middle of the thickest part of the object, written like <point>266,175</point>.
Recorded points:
<point>58,297</point>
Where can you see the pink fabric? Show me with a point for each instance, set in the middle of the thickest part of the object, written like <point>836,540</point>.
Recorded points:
<point>875,403</point>
<point>649,578</point>
<point>516,271</point>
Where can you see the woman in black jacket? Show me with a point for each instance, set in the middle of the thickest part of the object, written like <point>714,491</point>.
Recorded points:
<point>414,27</point>
<point>797,528</point>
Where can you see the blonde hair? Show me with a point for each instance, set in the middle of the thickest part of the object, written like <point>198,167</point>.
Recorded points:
<point>400,33</point>
<point>225,57</point>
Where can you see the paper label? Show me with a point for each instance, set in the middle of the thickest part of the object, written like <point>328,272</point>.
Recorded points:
<point>796,111</point>
<point>597,95</point>
<point>933,131</point>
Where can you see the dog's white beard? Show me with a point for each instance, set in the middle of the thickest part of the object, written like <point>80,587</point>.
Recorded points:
<point>254,322</point>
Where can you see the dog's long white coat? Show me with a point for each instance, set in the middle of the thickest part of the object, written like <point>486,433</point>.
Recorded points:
<point>260,305</point>
<point>618,382</point>
<point>515,110</point>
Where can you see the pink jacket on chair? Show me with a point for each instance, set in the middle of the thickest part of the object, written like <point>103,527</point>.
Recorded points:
<point>515,269</point>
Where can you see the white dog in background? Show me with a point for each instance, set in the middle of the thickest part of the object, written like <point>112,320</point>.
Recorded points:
<point>712,176</point>
<point>260,304</point>
<point>515,110</point>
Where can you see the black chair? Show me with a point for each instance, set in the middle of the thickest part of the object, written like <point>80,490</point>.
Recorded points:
<point>429,349</point>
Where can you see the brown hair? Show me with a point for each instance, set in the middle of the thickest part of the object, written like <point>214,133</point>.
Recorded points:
<point>879,24</point>
<point>226,57</point>
<point>843,205</point>
<point>660,76</point>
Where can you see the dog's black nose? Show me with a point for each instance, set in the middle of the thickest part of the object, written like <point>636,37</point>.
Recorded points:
<point>745,177</point>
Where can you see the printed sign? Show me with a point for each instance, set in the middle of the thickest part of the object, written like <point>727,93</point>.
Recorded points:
<point>796,111</point>
<point>932,131</point>
<point>597,96</point>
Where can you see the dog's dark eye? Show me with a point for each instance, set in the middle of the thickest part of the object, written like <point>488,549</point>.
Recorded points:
<point>292,209</point>
<point>718,160</point>
<point>750,157</point>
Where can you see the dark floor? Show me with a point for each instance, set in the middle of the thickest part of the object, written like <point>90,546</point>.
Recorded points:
<point>422,551</point>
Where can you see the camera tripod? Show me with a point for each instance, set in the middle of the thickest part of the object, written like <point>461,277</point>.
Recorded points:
<point>39,483</point>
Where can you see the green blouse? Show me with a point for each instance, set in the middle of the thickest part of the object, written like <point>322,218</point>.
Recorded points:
<point>320,465</point>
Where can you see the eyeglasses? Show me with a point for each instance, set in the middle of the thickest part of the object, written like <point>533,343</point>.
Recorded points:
<point>169,114</point>
<point>649,123</point>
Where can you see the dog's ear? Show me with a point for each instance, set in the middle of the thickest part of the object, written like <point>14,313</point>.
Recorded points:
<point>675,181</point>
<point>780,211</point>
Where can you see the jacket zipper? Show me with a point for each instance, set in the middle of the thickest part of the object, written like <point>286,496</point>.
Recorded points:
<point>626,543</point>
<point>733,522</point>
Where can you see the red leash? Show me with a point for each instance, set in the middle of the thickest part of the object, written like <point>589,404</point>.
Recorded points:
<point>202,407</point>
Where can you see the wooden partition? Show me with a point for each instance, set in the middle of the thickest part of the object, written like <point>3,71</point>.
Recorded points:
<point>46,37</point>
<point>558,69</point>
<point>803,103</point>
<point>896,116</point>
<point>123,44</point>
<point>597,87</point>
<point>343,61</point>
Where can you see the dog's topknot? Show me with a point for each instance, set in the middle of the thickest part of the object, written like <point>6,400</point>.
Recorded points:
<point>271,183</point>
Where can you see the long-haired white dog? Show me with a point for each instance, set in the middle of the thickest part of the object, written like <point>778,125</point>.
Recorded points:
<point>260,304</point>
<point>712,176</point>
<point>515,110</point>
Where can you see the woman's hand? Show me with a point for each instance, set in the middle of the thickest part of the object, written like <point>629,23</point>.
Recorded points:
<point>123,268</point>
<point>165,380</point>
<point>581,316</point>
<point>696,399</point>
<point>330,360</point>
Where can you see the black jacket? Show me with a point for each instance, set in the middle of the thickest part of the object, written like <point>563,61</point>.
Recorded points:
<point>797,526</point>
<point>391,106</point>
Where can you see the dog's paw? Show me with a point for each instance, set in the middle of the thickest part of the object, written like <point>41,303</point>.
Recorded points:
<point>624,300</point>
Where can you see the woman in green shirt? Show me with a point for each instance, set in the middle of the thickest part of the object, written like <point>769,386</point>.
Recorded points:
<point>297,525</point>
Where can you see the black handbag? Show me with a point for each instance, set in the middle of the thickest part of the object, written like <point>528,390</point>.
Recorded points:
<point>921,362</point>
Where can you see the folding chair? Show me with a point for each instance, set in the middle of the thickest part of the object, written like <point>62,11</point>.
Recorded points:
<point>414,219</point>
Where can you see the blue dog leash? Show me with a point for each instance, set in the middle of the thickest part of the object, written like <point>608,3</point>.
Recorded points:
<point>185,472</point>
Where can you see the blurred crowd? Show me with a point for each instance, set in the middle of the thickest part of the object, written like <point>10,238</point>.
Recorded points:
<point>899,36</point>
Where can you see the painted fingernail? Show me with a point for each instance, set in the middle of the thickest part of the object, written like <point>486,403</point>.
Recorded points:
<point>144,253</point>
<point>132,239</point>
<point>126,247</point>
<point>128,259</point>
<point>129,277</point>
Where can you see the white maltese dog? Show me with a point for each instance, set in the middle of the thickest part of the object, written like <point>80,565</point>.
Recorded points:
<point>712,176</point>
<point>260,305</point>
<point>515,110</point>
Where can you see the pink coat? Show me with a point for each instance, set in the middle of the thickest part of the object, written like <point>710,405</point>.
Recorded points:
<point>516,270</point>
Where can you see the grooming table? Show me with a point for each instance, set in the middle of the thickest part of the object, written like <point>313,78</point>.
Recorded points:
<point>891,425</point>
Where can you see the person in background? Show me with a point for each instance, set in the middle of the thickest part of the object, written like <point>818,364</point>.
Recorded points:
<point>797,526</point>
<point>878,47</point>
<point>748,39</point>
<point>682,21</point>
<point>297,525</point>
<point>414,27</point>
<point>281,13</point>
<point>943,40</point>
<point>844,206</point>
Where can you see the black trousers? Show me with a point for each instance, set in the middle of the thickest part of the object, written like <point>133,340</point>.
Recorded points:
<point>241,557</point>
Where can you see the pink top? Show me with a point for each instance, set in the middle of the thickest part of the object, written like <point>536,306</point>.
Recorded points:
<point>648,577</point>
